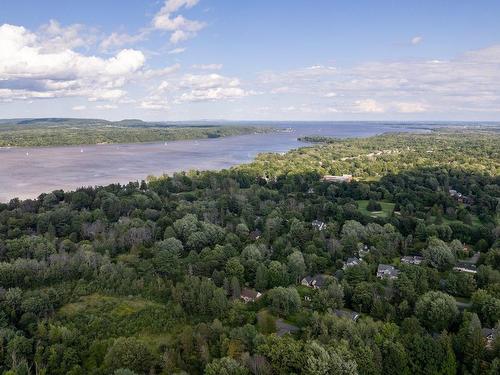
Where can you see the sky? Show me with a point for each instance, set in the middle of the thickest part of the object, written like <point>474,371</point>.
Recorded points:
<point>185,60</point>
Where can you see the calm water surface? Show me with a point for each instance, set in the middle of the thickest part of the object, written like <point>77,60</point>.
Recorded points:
<point>28,172</point>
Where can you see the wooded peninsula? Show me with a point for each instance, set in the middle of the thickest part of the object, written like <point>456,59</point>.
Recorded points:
<point>70,132</point>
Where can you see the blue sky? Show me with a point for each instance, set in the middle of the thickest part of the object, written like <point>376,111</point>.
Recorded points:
<point>262,60</point>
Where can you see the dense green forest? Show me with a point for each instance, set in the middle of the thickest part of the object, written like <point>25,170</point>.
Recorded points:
<point>64,132</point>
<point>265,268</point>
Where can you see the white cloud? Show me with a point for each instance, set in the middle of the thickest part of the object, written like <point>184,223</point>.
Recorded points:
<point>155,73</point>
<point>176,51</point>
<point>172,6</point>
<point>416,40</point>
<point>208,66</point>
<point>31,71</point>
<point>468,82</point>
<point>210,87</point>
<point>155,103</point>
<point>121,39</point>
<point>410,107</point>
<point>53,37</point>
<point>106,106</point>
<point>79,108</point>
<point>368,105</point>
<point>180,27</point>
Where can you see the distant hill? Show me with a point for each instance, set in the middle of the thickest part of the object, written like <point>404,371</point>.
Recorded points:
<point>76,131</point>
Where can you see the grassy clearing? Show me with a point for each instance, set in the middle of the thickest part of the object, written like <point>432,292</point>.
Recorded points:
<point>118,316</point>
<point>387,209</point>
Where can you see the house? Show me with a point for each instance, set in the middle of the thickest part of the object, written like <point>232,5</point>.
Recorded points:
<point>386,271</point>
<point>343,178</point>
<point>465,267</point>
<point>363,250</point>
<point>249,295</point>
<point>460,197</point>
<point>318,225</point>
<point>315,282</point>
<point>347,314</point>
<point>412,259</point>
<point>489,335</point>
<point>351,262</point>
<point>255,235</point>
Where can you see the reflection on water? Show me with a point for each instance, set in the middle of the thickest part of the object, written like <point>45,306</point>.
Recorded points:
<point>26,173</point>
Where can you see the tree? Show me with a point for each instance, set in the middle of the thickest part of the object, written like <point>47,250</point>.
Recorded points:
<point>186,226</point>
<point>225,366</point>
<point>285,354</point>
<point>436,310</point>
<point>130,353</point>
<point>277,274</point>
<point>438,254</point>
<point>235,269</point>
<point>471,342</point>
<point>261,278</point>
<point>296,265</point>
<point>320,360</point>
<point>373,205</point>
<point>362,297</point>
<point>284,301</point>
<point>219,303</point>
<point>331,297</point>
<point>486,306</point>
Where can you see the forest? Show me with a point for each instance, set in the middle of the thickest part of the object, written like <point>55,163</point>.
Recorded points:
<point>267,267</point>
<point>67,132</point>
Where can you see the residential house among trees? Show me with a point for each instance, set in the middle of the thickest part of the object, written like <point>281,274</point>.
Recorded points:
<point>412,259</point>
<point>315,282</point>
<point>250,295</point>
<point>318,225</point>
<point>386,271</point>
<point>351,262</point>
<point>465,267</point>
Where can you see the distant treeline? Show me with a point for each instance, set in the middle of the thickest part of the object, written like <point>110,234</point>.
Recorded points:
<point>64,132</point>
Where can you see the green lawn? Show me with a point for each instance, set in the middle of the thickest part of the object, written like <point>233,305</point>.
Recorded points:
<point>387,209</point>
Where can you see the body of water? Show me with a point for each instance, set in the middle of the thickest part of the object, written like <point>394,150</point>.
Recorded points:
<point>28,172</point>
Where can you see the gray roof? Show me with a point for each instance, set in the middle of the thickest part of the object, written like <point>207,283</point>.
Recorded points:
<point>466,265</point>
<point>488,332</point>
<point>249,293</point>
<point>353,260</point>
<point>387,269</point>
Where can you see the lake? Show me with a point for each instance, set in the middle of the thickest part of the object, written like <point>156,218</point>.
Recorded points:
<point>28,172</point>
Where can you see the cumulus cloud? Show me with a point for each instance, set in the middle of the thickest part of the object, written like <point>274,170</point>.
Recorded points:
<point>210,87</point>
<point>180,27</point>
<point>79,108</point>
<point>154,103</point>
<point>55,37</point>
<point>468,82</point>
<point>29,70</point>
<point>368,106</point>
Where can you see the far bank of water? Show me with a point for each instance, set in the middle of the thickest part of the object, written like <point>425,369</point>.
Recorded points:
<point>28,172</point>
